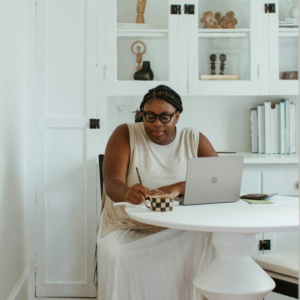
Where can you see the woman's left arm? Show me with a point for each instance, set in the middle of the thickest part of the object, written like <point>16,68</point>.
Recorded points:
<point>205,149</point>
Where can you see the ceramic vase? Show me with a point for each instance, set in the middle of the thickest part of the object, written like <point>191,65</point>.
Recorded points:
<point>145,73</point>
<point>294,12</point>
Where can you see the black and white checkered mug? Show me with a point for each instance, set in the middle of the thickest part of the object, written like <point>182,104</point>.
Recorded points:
<point>159,203</point>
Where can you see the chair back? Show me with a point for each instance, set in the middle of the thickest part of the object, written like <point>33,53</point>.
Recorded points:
<point>101,158</point>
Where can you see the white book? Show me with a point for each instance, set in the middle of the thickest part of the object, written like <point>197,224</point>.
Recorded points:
<point>287,126</point>
<point>282,127</point>
<point>253,125</point>
<point>273,141</point>
<point>267,105</point>
<point>277,127</point>
<point>261,128</point>
<point>288,22</point>
<point>292,127</point>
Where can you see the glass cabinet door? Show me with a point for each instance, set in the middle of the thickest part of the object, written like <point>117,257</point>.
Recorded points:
<point>283,48</point>
<point>126,41</point>
<point>223,47</point>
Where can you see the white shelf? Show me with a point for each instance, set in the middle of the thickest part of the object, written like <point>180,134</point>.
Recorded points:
<point>242,32</point>
<point>255,158</point>
<point>142,33</point>
<point>288,32</point>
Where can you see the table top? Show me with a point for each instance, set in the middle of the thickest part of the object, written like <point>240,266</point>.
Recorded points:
<point>236,217</point>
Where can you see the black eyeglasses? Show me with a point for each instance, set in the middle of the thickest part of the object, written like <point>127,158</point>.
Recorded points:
<point>164,118</point>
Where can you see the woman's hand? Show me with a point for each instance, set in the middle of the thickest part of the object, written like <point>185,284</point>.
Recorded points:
<point>170,191</point>
<point>136,194</point>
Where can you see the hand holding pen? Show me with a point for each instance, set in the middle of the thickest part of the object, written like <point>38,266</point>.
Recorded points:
<point>137,193</point>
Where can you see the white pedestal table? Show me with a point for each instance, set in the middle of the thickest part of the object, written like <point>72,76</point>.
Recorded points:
<point>233,274</point>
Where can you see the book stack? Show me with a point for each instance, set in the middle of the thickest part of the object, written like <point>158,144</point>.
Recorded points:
<point>288,23</point>
<point>273,128</point>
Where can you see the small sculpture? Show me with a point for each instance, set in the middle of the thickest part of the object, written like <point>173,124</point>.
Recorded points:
<point>218,17</point>
<point>209,20</point>
<point>145,73</point>
<point>139,57</point>
<point>213,59</point>
<point>216,21</point>
<point>222,58</point>
<point>140,8</point>
<point>229,21</point>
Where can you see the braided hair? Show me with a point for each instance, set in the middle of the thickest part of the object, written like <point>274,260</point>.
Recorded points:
<point>165,93</point>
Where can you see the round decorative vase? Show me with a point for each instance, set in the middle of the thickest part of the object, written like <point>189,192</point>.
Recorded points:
<point>145,73</point>
<point>294,12</point>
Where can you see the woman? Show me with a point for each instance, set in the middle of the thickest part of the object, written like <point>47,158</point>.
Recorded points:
<point>137,260</point>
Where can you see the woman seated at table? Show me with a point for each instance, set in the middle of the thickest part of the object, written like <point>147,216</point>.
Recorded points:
<point>138,261</point>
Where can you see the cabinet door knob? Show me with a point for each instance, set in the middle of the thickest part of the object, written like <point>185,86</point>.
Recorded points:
<point>297,185</point>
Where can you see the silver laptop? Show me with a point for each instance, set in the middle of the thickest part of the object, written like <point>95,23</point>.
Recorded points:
<point>213,180</point>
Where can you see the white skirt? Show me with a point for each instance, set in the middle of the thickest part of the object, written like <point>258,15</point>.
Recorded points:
<point>152,264</point>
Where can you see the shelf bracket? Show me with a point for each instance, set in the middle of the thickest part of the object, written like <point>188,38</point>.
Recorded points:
<point>270,8</point>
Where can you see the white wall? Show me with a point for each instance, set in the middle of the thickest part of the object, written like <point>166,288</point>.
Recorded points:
<point>13,153</point>
<point>224,120</point>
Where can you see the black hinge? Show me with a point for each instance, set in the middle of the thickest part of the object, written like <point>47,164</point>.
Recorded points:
<point>94,123</point>
<point>189,9</point>
<point>270,8</point>
<point>264,245</point>
<point>175,9</point>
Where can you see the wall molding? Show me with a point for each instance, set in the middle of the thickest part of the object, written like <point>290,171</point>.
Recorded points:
<point>19,285</point>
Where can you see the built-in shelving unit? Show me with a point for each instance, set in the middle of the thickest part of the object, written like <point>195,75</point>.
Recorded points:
<point>223,32</point>
<point>143,33</point>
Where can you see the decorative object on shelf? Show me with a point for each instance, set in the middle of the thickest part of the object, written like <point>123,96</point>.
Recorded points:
<point>213,59</point>
<point>145,73</point>
<point>294,11</point>
<point>213,76</point>
<point>140,9</point>
<point>138,54</point>
<point>229,21</point>
<point>209,20</point>
<point>222,58</point>
<point>219,77</point>
<point>120,109</point>
<point>218,17</point>
<point>217,21</point>
<point>292,75</point>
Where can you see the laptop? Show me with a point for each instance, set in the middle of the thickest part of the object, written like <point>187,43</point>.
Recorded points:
<point>212,180</point>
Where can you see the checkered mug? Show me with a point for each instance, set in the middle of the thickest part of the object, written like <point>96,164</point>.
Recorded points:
<point>159,203</point>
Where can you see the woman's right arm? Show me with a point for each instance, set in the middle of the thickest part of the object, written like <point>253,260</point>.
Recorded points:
<point>115,167</point>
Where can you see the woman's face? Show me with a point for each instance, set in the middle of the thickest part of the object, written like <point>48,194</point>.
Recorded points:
<point>160,133</point>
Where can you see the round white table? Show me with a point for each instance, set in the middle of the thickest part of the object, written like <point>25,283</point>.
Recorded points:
<point>233,274</point>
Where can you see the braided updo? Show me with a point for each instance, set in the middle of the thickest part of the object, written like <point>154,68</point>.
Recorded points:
<point>165,93</point>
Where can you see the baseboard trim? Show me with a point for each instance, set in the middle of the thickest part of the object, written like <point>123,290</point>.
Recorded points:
<point>18,286</point>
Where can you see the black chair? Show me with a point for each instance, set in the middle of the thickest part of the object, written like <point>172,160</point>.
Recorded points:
<point>101,158</point>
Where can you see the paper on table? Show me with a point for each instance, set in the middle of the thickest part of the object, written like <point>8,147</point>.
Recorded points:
<point>277,200</point>
<point>250,201</point>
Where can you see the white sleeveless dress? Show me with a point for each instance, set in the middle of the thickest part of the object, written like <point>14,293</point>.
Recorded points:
<point>137,261</point>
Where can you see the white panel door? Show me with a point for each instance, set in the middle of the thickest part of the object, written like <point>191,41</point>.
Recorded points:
<point>66,148</point>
